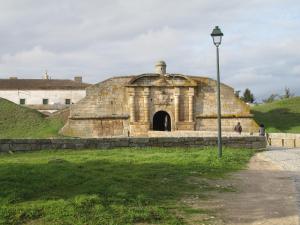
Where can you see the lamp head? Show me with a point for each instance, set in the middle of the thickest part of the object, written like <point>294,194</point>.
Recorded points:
<point>217,36</point>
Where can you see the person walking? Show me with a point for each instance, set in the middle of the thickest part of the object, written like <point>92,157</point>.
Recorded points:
<point>238,128</point>
<point>166,123</point>
<point>262,130</point>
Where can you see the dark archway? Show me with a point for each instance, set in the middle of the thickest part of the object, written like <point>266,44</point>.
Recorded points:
<point>162,121</point>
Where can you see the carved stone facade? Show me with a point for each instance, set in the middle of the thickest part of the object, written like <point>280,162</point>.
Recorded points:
<point>134,105</point>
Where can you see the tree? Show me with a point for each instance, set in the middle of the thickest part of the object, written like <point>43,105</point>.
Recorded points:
<point>287,93</point>
<point>271,98</point>
<point>237,93</point>
<point>248,96</point>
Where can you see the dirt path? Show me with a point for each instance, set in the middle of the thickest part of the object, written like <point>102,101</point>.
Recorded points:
<point>265,195</point>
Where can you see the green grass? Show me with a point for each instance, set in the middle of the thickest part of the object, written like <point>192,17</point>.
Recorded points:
<point>118,186</point>
<point>20,122</point>
<point>279,116</point>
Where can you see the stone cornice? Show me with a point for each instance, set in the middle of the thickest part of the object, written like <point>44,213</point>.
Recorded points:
<point>163,81</point>
<point>224,116</point>
<point>99,117</point>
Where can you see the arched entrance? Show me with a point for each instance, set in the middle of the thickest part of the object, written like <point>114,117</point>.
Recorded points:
<point>162,121</point>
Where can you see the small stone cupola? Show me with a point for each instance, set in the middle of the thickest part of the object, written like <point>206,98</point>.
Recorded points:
<point>46,76</point>
<point>161,67</point>
<point>78,79</point>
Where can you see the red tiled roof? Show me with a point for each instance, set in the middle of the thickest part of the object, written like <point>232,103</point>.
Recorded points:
<point>41,84</point>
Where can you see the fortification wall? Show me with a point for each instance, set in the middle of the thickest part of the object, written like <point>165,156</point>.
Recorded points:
<point>96,127</point>
<point>106,98</point>
<point>233,110</point>
<point>104,143</point>
<point>228,124</point>
<point>103,112</point>
<point>123,106</point>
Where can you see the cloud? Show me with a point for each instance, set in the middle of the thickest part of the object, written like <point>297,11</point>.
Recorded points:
<point>99,39</point>
<point>35,56</point>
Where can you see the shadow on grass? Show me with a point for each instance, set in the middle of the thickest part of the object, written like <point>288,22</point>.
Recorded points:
<point>280,119</point>
<point>108,191</point>
<point>113,181</point>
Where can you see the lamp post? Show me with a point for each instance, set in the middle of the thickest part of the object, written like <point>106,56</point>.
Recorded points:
<point>217,38</point>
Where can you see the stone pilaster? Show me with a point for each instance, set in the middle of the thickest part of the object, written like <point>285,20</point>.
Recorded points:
<point>146,104</point>
<point>191,103</point>
<point>132,105</point>
<point>176,104</point>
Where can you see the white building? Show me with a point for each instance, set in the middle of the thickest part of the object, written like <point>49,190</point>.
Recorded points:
<point>46,95</point>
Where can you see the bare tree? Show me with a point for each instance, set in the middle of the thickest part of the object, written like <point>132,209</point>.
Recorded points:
<point>287,93</point>
<point>271,98</point>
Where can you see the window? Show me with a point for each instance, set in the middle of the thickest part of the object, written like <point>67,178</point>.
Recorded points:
<point>22,101</point>
<point>45,101</point>
<point>68,101</point>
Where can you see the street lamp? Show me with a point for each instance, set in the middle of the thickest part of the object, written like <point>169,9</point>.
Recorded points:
<point>217,38</point>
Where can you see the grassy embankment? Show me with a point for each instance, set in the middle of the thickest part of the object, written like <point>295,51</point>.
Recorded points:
<point>280,115</point>
<point>21,122</point>
<point>120,186</point>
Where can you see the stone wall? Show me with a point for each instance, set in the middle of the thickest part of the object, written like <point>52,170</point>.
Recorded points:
<point>103,112</point>
<point>287,140</point>
<point>228,124</point>
<point>103,143</point>
<point>206,101</point>
<point>232,108</point>
<point>96,127</point>
<point>107,98</point>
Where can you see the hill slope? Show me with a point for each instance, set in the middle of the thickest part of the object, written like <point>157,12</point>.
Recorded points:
<point>20,122</point>
<point>279,116</point>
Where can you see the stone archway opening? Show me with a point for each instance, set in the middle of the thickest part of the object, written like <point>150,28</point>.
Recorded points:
<point>161,121</point>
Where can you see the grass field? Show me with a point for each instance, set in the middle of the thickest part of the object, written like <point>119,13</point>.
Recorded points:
<point>279,116</point>
<point>21,122</point>
<point>119,186</point>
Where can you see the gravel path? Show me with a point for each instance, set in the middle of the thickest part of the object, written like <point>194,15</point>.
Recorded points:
<point>264,194</point>
<point>288,160</point>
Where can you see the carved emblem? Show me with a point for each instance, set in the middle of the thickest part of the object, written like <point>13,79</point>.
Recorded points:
<point>162,98</point>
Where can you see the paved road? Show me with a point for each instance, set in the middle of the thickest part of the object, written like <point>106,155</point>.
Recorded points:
<point>288,160</point>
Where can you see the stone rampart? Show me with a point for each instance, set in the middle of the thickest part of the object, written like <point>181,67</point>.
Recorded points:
<point>287,140</point>
<point>253,142</point>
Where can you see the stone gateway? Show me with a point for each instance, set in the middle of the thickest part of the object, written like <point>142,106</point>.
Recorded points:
<point>135,105</point>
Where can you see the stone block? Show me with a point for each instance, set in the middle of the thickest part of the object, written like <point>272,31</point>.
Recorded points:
<point>140,140</point>
<point>120,142</point>
<point>258,145</point>
<point>297,141</point>
<point>20,147</point>
<point>5,141</point>
<point>290,143</point>
<point>4,147</point>
<point>91,143</point>
<point>277,142</point>
<point>164,140</point>
<point>168,144</point>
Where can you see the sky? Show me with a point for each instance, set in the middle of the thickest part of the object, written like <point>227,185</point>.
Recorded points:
<point>98,39</point>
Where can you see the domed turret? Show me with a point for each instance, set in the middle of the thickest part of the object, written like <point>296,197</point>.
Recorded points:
<point>161,67</point>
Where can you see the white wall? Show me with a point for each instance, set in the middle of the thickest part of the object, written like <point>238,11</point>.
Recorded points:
<point>35,97</point>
